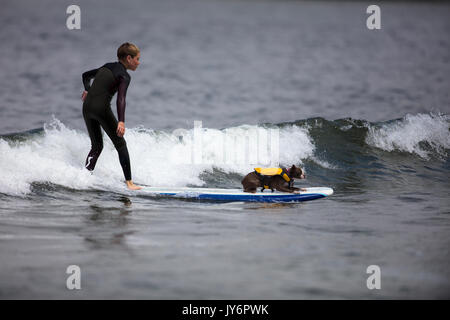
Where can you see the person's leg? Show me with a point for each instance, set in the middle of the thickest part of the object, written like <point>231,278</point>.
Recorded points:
<point>109,124</point>
<point>124,159</point>
<point>95,134</point>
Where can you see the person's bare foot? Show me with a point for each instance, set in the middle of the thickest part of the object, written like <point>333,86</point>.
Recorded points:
<point>132,186</point>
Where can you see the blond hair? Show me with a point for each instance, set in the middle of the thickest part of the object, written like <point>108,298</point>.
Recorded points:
<point>126,49</point>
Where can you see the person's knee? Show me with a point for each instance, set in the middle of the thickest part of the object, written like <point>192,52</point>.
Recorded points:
<point>119,144</point>
<point>97,147</point>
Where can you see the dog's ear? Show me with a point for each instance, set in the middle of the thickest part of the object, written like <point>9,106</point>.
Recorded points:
<point>293,167</point>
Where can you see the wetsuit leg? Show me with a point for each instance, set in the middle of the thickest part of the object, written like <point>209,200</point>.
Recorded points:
<point>95,133</point>
<point>124,159</point>
<point>109,124</point>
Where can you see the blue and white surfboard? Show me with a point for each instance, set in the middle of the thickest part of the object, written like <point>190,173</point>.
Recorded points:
<point>238,194</point>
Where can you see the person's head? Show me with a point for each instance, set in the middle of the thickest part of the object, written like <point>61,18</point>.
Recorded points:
<point>129,55</point>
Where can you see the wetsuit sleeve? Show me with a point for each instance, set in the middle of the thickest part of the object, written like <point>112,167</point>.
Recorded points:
<point>87,76</point>
<point>121,95</point>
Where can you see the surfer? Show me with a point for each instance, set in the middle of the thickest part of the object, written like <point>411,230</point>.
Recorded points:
<point>110,78</point>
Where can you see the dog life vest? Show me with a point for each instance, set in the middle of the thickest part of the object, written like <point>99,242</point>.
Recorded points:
<point>264,175</point>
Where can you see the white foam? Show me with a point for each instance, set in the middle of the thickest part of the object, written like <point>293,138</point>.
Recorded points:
<point>56,157</point>
<point>407,134</point>
<point>157,158</point>
<point>323,163</point>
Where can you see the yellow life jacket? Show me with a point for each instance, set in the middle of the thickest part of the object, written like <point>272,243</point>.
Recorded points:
<point>264,173</point>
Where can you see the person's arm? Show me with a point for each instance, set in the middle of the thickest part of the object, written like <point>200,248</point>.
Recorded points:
<point>121,97</point>
<point>121,103</point>
<point>87,76</point>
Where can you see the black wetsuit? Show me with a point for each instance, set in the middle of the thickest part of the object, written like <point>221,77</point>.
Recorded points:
<point>109,79</point>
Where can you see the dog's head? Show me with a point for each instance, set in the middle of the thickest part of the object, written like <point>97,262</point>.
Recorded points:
<point>296,173</point>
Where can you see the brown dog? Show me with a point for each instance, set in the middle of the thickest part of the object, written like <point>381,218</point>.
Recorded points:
<point>280,182</point>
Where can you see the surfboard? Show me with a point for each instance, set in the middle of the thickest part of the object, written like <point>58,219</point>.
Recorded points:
<point>237,194</point>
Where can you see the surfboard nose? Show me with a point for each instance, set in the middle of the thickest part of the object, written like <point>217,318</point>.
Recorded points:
<point>321,190</point>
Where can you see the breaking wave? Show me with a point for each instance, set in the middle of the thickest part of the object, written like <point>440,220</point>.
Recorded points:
<point>212,157</point>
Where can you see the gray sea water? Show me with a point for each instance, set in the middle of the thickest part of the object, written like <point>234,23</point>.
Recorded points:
<point>365,112</point>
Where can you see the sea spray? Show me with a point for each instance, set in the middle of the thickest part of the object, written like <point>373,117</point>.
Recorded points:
<point>421,134</point>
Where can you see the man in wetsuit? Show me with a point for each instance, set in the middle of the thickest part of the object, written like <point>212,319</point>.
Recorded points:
<point>109,79</point>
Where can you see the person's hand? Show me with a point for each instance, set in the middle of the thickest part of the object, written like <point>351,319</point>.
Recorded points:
<point>83,96</point>
<point>120,129</point>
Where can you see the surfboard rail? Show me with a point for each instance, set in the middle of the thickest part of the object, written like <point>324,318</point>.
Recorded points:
<point>214,194</point>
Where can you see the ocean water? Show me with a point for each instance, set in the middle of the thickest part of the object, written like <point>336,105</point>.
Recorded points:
<point>366,113</point>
